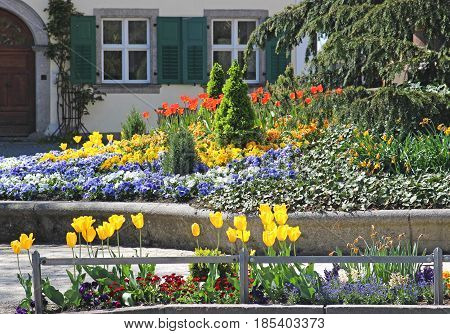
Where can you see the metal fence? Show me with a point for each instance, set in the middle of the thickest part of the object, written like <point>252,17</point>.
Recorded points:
<point>244,259</point>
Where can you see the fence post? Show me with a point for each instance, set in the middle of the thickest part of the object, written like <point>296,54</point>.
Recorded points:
<point>36,266</point>
<point>438,284</point>
<point>243,275</point>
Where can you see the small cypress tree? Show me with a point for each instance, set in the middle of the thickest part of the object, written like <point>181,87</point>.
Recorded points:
<point>216,81</point>
<point>234,121</point>
<point>133,125</point>
<point>181,157</point>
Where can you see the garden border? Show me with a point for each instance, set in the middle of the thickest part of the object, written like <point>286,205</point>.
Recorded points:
<point>437,258</point>
<point>321,232</point>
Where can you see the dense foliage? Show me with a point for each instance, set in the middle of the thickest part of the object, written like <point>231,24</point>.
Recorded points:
<point>368,42</point>
<point>180,158</point>
<point>134,125</point>
<point>235,118</point>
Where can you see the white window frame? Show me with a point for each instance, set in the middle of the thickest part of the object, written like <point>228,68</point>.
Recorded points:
<point>125,47</point>
<point>234,48</point>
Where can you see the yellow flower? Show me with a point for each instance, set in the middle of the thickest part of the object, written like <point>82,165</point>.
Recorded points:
<point>366,133</point>
<point>117,221</point>
<point>266,218</point>
<point>195,229</point>
<point>425,121</point>
<point>245,236</point>
<point>282,232</point>
<point>71,239</point>
<point>294,233</point>
<point>89,234</point>
<point>441,127</point>
<point>240,222</point>
<point>109,229</point>
<point>77,139</point>
<point>232,235</point>
<point>15,245</point>
<point>63,146</point>
<point>82,223</point>
<point>264,208</point>
<point>102,233</point>
<point>26,241</point>
<point>269,237</point>
<point>110,138</point>
<point>138,220</point>
<point>281,217</point>
<point>216,219</point>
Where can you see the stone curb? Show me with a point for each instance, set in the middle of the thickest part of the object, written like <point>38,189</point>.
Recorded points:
<point>279,309</point>
<point>168,225</point>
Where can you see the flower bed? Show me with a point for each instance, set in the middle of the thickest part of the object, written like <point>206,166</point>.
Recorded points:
<point>104,287</point>
<point>323,174</point>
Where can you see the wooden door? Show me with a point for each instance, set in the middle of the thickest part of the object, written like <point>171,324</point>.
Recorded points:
<point>17,77</point>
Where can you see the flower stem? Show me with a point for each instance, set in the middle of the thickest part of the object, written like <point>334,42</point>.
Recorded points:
<point>140,242</point>
<point>74,268</point>
<point>118,243</point>
<point>29,258</point>
<point>79,238</point>
<point>218,238</point>
<point>18,265</point>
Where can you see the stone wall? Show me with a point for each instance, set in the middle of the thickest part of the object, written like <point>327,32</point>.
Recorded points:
<point>169,225</point>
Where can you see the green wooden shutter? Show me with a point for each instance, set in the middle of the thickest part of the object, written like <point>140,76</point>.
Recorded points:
<point>83,50</point>
<point>169,50</point>
<point>194,49</point>
<point>275,63</point>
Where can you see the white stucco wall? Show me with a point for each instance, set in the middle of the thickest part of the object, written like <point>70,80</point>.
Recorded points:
<point>107,116</point>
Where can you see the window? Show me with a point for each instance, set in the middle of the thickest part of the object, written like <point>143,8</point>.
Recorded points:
<point>229,41</point>
<point>125,51</point>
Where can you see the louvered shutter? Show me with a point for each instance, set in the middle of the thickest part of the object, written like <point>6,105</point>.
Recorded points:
<point>275,63</point>
<point>83,50</point>
<point>194,50</point>
<point>169,50</point>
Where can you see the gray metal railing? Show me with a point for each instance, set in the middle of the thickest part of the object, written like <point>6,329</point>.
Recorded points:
<point>244,259</point>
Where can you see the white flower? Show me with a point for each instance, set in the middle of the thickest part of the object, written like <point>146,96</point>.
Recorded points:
<point>342,275</point>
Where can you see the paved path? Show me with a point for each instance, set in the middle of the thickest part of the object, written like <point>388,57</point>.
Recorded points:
<point>11,292</point>
<point>15,149</point>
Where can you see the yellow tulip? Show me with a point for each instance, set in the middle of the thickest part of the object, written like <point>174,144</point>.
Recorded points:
<point>282,232</point>
<point>264,208</point>
<point>281,217</point>
<point>216,219</point>
<point>101,232</point>
<point>195,229</point>
<point>240,222</point>
<point>117,221</point>
<point>26,241</point>
<point>87,222</point>
<point>266,219</point>
<point>138,220</point>
<point>78,224</point>
<point>71,239</point>
<point>77,139</point>
<point>245,236</point>
<point>294,233</point>
<point>109,229</point>
<point>280,213</point>
<point>63,146</point>
<point>269,237</point>
<point>110,138</point>
<point>15,245</point>
<point>89,234</point>
<point>232,235</point>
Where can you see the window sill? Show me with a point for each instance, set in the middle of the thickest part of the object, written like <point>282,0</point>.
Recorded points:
<point>129,88</point>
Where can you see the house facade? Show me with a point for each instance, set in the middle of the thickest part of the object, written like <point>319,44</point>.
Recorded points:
<point>141,53</point>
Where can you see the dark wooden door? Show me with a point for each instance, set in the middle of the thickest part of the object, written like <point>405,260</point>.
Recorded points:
<point>17,77</point>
